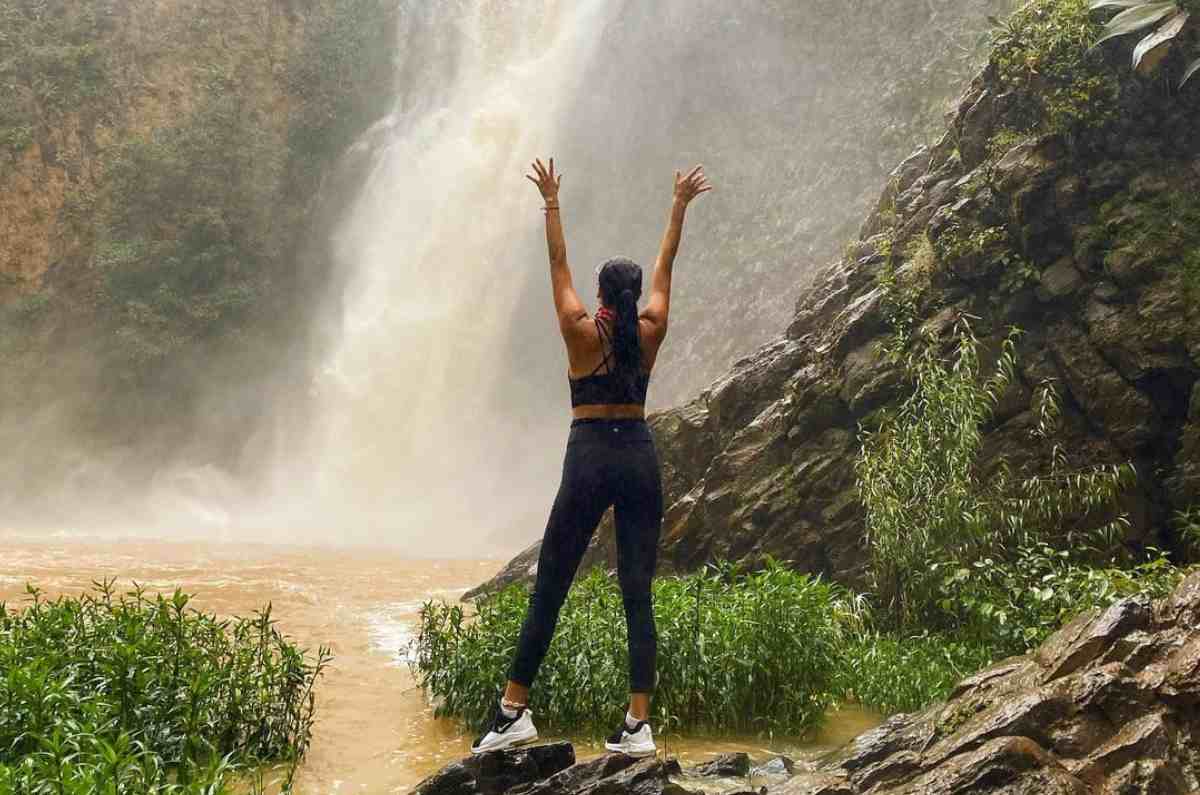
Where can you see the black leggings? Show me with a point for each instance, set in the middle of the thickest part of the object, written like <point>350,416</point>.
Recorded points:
<point>608,462</point>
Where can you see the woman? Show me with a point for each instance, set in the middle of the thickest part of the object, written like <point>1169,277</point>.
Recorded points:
<point>610,461</point>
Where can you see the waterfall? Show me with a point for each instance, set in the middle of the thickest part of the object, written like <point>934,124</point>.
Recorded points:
<point>414,439</point>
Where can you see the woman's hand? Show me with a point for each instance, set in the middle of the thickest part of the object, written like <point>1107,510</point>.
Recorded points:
<point>546,180</point>
<point>691,186</point>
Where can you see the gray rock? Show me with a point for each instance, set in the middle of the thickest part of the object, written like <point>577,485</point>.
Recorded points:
<point>1059,281</point>
<point>499,771</point>
<point>1068,718</point>
<point>733,764</point>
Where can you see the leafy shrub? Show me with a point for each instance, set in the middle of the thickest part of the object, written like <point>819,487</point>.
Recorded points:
<point>893,672</point>
<point>1013,603</point>
<point>1044,49</point>
<point>132,693</point>
<point>927,500</point>
<point>755,651</point>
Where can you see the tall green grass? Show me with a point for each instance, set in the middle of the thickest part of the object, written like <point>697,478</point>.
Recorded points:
<point>736,652</point>
<point>131,693</point>
<point>765,652</point>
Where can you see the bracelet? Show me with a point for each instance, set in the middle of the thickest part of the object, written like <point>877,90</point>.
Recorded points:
<point>549,207</point>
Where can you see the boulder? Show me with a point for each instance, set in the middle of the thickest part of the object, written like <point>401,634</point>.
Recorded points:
<point>1109,704</point>
<point>499,771</point>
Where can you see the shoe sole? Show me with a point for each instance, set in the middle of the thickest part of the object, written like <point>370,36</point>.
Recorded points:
<point>638,751</point>
<point>515,743</point>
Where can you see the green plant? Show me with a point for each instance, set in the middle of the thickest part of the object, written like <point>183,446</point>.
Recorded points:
<point>893,672</point>
<point>1044,51</point>
<point>135,693</point>
<point>1154,228</point>
<point>1170,20</point>
<point>928,501</point>
<point>1187,525</point>
<point>736,651</point>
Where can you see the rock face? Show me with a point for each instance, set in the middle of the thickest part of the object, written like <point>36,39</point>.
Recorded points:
<point>1079,242</point>
<point>1109,704</point>
<point>1106,705</point>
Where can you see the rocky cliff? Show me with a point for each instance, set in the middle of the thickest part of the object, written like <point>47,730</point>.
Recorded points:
<point>1063,199</point>
<point>1106,705</point>
<point>159,163</point>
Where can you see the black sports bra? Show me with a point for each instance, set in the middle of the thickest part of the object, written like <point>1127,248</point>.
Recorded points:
<point>607,388</point>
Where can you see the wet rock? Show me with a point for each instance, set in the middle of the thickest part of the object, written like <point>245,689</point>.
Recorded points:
<point>733,764</point>
<point>1072,717</point>
<point>1083,640</point>
<point>780,765</point>
<point>552,770</point>
<point>499,771</point>
<point>612,774</point>
<point>1107,398</point>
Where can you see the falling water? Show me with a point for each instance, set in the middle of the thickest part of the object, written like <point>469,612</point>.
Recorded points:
<point>414,437</point>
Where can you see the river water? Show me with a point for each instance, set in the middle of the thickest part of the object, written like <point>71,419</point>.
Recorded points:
<point>375,731</point>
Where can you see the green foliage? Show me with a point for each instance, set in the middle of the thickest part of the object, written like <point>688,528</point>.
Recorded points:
<point>959,243</point>
<point>930,507</point>
<point>50,63</point>
<point>192,206</point>
<point>1155,226</point>
<point>1003,141</point>
<point>1187,527</point>
<point>131,693</point>
<point>893,672</point>
<point>1014,602</point>
<point>185,239</point>
<point>1171,21</point>
<point>756,651</point>
<point>1044,49</point>
<point>346,49</point>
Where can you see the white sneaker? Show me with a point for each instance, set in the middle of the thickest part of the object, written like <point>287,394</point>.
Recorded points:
<point>636,742</point>
<point>507,732</point>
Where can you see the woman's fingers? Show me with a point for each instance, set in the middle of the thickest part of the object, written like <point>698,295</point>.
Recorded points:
<point>695,171</point>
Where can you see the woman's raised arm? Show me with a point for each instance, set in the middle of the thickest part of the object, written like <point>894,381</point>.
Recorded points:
<point>659,305</point>
<point>567,305</point>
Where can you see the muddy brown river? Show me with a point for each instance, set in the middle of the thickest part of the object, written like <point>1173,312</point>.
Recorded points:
<point>375,732</point>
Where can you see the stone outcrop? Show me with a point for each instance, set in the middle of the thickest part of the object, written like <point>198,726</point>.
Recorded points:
<point>1108,704</point>
<point>1069,239</point>
<point>550,770</point>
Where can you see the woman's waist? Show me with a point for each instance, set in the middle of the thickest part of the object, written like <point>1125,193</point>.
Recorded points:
<point>610,429</point>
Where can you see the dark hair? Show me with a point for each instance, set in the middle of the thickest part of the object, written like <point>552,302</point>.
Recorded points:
<point>620,288</point>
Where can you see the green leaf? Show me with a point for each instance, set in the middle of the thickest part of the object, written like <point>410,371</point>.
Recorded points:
<point>1150,46</point>
<point>1191,70</point>
<point>1137,18</point>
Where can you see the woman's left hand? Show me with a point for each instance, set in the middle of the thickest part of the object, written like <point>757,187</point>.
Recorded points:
<point>546,180</point>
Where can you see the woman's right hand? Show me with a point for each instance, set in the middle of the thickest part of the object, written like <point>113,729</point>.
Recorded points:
<point>691,186</point>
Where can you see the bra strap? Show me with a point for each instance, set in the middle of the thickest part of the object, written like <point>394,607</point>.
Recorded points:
<point>607,351</point>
